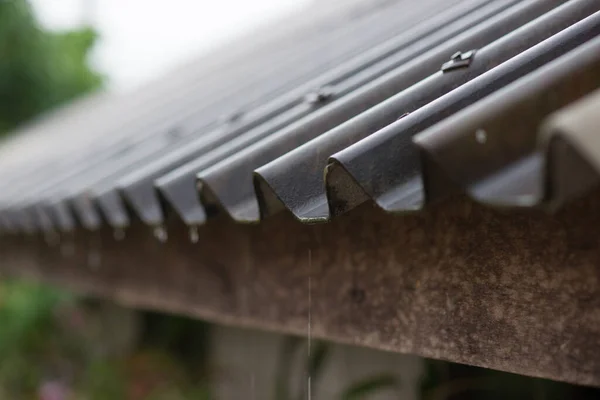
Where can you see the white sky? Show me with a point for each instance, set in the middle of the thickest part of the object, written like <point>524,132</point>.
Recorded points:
<point>141,39</point>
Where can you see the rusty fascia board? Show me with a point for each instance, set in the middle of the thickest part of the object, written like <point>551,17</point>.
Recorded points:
<point>514,291</point>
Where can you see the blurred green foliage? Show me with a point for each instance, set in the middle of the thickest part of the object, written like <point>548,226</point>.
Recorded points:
<point>39,69</point>
<point>51,340</point>
<point>26,334</point>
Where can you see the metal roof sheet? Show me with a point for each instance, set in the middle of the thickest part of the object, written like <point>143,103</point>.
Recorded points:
<point>395,102</point>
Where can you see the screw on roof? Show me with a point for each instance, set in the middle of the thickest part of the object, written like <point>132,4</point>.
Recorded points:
<point>459,60</point>
<point>319,96</point>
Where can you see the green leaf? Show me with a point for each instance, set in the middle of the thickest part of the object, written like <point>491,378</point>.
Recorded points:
<point>39,69</point>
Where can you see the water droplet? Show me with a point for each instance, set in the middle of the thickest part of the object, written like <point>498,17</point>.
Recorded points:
<point>481,136</point>
<point>194,236</point>
<point>119,234</point>
<point>161,234</point>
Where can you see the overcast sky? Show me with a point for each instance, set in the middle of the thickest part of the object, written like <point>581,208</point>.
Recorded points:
<point>141,39</point>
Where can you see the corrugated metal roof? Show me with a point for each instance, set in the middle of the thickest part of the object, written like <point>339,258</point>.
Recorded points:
<point>393,102</point>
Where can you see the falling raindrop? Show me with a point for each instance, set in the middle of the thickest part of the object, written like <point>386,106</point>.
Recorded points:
<point>194,234</point>
<point>119,234</point>
<point>481,136</point>
<point>160,233</point>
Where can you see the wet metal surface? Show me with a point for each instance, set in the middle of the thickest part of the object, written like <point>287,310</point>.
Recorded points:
<point>320,128</point>
<point>381,160</point>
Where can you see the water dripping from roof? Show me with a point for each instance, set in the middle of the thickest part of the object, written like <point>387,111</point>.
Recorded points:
<point>194,236</point>
<point>481,136</point>
<point>160,233</point>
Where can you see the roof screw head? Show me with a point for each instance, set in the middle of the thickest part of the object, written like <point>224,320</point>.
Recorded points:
<point>459,60</point>
<point>456,56</point>
<point>319,96</point>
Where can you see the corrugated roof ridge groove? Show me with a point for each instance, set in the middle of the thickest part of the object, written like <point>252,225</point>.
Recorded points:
<point>530,100</point>
<point>296,178</point>
<point>177,192</point>
<point>229,180</point>
<point>333,37</point>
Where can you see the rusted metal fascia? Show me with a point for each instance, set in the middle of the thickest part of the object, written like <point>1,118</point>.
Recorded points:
<point>515,291</point>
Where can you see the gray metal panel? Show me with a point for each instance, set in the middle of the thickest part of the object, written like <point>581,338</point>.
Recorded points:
<point>336,41</point>
<point>177,185</point>
<point>297,180</point>
<point>256,136</point>
<point>578,124</point>
<point>138,187</point>
<point>229,182</point>
<point>387,166</point>
<point>571,138</point>
<point>501,132</point>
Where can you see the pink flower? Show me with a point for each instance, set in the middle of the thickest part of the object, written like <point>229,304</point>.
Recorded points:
<point>53,391</point>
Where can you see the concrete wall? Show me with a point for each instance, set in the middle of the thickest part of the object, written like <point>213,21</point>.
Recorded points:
<point>247,364</point>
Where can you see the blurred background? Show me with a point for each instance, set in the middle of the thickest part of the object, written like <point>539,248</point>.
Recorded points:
<point>56,345</point>
<point>139,40</point>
